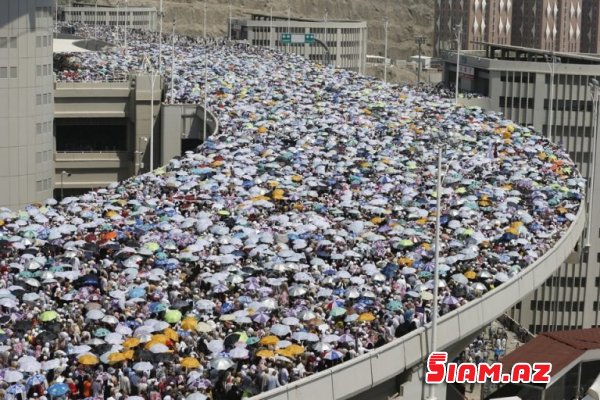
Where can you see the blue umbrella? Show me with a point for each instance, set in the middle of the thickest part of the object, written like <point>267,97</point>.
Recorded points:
<point>58,389</point>
<point>158,307</point>
<point>136,292</point>
<point>16,389</point>
<point>36,379</point>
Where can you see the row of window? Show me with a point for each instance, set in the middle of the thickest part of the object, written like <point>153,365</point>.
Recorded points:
<point>43,70</point>
<point>544,328</point>
<point>525,77</point>
<point>8,72</point>
<point>557,305</point>
<point>517,102</point>
<point>564,281</point>
<point>44,184</point>
<point>43,127</point>
<point>570,105</point>
<point>43,12</point>
<point>8,42</point>
<point>43,98</point>
<point>43,41</point>
<point>43,156</point>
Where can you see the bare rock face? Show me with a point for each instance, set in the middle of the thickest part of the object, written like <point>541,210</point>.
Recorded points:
<point>407,18</point>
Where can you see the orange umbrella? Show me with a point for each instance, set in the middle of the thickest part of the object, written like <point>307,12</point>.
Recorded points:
<point>160,338</point>
<point>278,194</point>
<point>88,359</point>
<point>295,349</point>
<point>116,357</point>
<point>190,363</point>
<point>471,275</point>
<point>269,340</point>
<point>131,342</point>
<point>366,317</point>
<point>285,353</point>
<point>265,353</point>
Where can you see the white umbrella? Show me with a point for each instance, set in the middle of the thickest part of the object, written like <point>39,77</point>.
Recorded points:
<point>80,349</point>
<point>51,364</point>
<point>159,348</point>
<point>222,363</point>
<point>29,364</point>
<point>196,396</point>
<point>280,330</point>
<point>215,346</point>
<point>113,338</point>
<point>239,352</point>
<point>12,376</point>
<point>95,314</point>
<point>291,321</point>
<point>143,366</point>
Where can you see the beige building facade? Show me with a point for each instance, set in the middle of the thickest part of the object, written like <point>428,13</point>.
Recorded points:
<point>26,102</point>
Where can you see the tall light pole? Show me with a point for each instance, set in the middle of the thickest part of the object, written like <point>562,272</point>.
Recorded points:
<point>420,40</point>
<point>229,33</point>
<point>385,50</point>
<point>62,183</point>
<point>126,21</point>
<point>160,29</point>
<point>458,33</point>
<point>442,143</point>
<point>271,29</point>
<point>173,63</point>
<point>594,86</point>
<point>289,30</point>
<point>205,76</point>
<point>551,60</point>
<point>96,20</point>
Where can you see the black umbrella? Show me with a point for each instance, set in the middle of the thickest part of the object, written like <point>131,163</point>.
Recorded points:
<point>22,325</point>
<point>53,326</point>
<point>231,340</point>
<point>45,337</point>
<point>87,280</point>
<point>5,319</point>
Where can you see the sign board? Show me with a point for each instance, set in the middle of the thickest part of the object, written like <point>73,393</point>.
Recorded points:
<point>467,72</point>
<point>288,38</point>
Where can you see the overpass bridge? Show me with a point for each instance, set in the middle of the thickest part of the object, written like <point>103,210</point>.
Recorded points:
<point>380,373</point>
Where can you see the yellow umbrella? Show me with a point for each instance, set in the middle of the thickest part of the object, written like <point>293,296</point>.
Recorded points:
<point>189,324</point>
<point>115,357</point>
<point>265,353</point>
<point>204,327</point>
<point>88,359</point>
<point>131,342</point>
<point>295,349</point>
<point>160,338</point>
<point>471,275</point>
<point>171,334</point>
<point>269,340</point>
<point>377,220</point>
<point>262,129</point>
<point>190,363</point>
<point>128,354</point>
<point>285,353</point>
<point>273,184</point>
<point>278,194</point>
<point>514,231</point>
<point>366,317</point>
<point>296,178</point>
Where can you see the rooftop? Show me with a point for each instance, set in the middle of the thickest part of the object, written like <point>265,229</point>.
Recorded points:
<point>559,348</point>
<point>518,53</point>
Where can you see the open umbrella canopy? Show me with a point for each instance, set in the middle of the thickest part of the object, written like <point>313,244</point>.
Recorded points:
<point>88,359</point>
<point>190,363</point>
<point>48,316</point>
<point>172,316</point>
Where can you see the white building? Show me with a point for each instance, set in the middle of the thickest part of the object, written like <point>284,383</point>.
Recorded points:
<point>341,43</point>
<point>132,17</point>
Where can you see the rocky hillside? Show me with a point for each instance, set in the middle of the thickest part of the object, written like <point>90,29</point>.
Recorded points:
<point>407,18</point>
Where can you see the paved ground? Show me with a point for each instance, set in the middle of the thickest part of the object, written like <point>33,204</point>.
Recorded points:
<point>511,344</point>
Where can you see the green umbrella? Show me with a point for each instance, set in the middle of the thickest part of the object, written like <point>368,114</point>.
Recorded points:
<point>152,246</point>
<point>405,243</point>
<point>394,305</point>
<point>101,332</point>
<point>337,311</point>
<point>252,340</point>
<point>48,316</point>
<point>173,316</point>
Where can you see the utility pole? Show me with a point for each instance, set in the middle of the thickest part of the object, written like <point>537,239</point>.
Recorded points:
<point>160,29</point>
<point>385,50</point>
<point>420,40</point>
<point>173,63</point>
<point>96,20</point>
<point>271,30</point>
<point>458,32</point>
<point>126,21</point>
<point>205,75</point>
<point>594,86</point>
<point>229,33</point>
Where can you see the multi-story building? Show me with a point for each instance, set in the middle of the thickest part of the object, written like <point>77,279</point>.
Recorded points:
<point>131,17</point>
<point>342,43</point>
<point>519,82</point>
<point>480,21</point>
<point>590,20</point>
<point>26,103</point>
<point>559,25</point>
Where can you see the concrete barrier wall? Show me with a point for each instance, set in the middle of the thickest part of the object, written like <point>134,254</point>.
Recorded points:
<point>369,370</point>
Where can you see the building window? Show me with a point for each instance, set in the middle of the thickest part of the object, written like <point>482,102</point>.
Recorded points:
<point>3,42</point>
<point>13,72</point>
<point>3,72</point>
<point>13,42</point>
<point>39,186</point>
<point>38,99</point>
<point>38,128</point>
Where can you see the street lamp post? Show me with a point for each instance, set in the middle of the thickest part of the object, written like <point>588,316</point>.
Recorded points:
<point>160,29</point>
<point>173,63</point>
<point>229,32</point>
<point>96,20</point>
<point>62,183</point>
<point>271,29</point>
<point>205,75</point>
<point>420,40</point>
<point>385,50</point>
<point>126,19</point>
<point>594,86</point>
<point>551,60</point>
<point>442,146</point>
<point>458,33</point>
